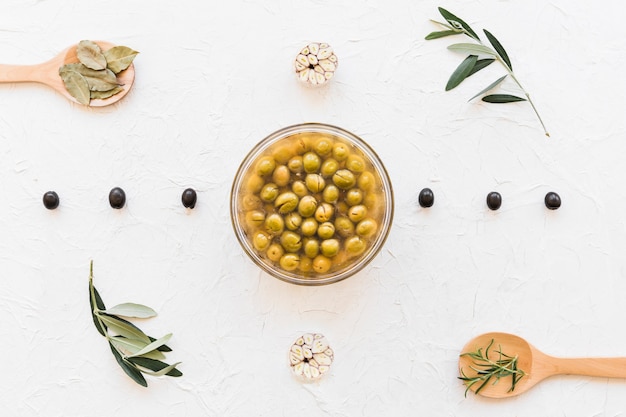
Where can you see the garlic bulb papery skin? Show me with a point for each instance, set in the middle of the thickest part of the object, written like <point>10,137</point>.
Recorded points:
<point>316,64</point>
<point>310,356</point>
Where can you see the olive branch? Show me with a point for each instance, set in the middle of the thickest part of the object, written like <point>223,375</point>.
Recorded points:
<point>472,63</point>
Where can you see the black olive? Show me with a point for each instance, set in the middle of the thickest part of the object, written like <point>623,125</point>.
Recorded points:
<point>189,198</point>
<point>552,200</point>
<point>117,198</point>
<point>51,200</point>
<point>426,198</point>
<point>494,200</point>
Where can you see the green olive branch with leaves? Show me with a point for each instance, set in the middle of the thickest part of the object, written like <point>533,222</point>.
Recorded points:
<point>472,64</point>
<point>135,352</point>
<point>486,368</point>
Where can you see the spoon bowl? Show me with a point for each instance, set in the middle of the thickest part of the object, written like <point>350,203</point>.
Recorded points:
<point>535,364</point>
<point>48,73</point>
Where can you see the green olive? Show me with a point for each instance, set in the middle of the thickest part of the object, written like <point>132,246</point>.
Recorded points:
<point>251,202</point>
<point>367,181</point>
<point>295,164</point>
<point>309,227</point>
<point>307,206</point>
<point>321,264</point>
<point>299,188</point>
<point>324,212</point>
<point>354,196</point>
<point>289,261</point>
<point>293,221</point>
<point>340,151</point>
<point>274,252</point>
<point>344,226</point>
<point>269,192</point>
<point>355,163</point>
<point>311,247</point>
<point>331,194</point>
<point>265,166</point>
<point>315,183</point>
<point>300,146</point>
<point>357,213</point>
<point>306,264</point>
<point>261,241</point>
<point>255,218</point>
<point>254,183</point>
<point>281,175</point>
<point>355,245</point>
<point>344,179</point>
<point>329,247</point>
<point>366,227</point>
<point>291,241</point>
<point>274,223</point>
<point>329,167</point>
<point>286,202</point>
<point>323,146</point>
<point>282,153</point>
<point>311,162</point>
<point>326,230</point>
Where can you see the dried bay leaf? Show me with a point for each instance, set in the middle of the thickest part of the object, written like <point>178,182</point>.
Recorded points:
<point>119,58</point>
<point>77,86</point>
<point>90,55</point>
<point>101,95</point>
<point>98,80</point>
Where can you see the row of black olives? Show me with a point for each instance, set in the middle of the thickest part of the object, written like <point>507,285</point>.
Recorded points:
<point>494,199</point>
<point>117,198</point>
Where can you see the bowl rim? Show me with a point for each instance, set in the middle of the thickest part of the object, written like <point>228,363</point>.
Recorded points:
<point>367,150</point>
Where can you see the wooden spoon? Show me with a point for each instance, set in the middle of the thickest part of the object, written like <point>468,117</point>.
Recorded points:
<point>536,365</point>
<point>48,73</point>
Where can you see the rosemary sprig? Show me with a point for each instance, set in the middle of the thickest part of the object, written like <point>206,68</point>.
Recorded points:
<point>135,352</point>
<point>487,369</point>
<point>471,64</point>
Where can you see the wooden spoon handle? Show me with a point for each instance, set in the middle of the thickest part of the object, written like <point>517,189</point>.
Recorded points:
<point>599,367</point>
<point>22,73</point>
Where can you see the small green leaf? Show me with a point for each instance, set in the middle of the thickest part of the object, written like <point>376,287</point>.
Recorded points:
<point>119,58</point>
<point>502,98</point>
<point>132,310</point>
<point>480,64</point>
<point>130,369</point>
<point>77,86</point>
<point>455,21</point>
<point>90,55</point>
<point>133,346</point>
<point>101,95</point>
<point>489,87</point>
<point>441,34</point>
<point>124,328</point>
<point>163,348</point>
<point>98,80</point>
<point>95,301</point>
<point>461,72</point>
<point>154,345</point>
<point>499,48</point>
<point>472,48</point>
<point>158,366</point>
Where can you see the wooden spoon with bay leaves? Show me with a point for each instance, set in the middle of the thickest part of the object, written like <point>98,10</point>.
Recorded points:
<point>48,73</point>
<point>535,365</point>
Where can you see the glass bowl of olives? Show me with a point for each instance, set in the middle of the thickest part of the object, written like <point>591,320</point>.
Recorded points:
<point>311,204</point>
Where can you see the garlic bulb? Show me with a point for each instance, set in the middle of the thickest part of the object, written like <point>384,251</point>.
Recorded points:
<point>316,64</point>
<point>310,356</point>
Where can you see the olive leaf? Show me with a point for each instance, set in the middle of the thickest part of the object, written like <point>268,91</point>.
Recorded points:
<point>77,86</point>
<point>470,66</point>
<point>461,72</point>
<point>499,48</point>
<point>90,55</point>
<point>502,98</point>
<point>132,310</point>
<point>118,58</point>
<point>489,87</point>
<point>135,352</point>
<point>457,22</point>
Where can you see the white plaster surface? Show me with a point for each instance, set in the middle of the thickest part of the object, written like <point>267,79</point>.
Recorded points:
<point>213,78</point>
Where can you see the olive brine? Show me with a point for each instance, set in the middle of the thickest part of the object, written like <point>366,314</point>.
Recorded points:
<point>312,204</point>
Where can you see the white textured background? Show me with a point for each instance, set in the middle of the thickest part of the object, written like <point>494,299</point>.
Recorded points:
<point>213,78</point>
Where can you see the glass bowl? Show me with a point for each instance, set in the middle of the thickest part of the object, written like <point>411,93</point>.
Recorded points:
<point>311,204</point>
